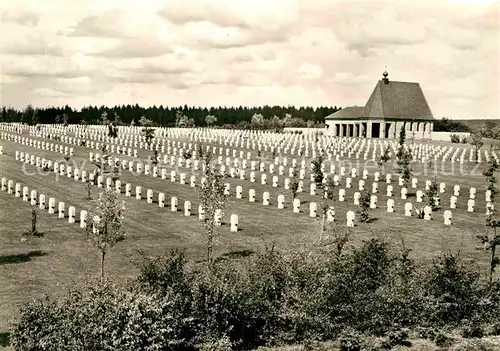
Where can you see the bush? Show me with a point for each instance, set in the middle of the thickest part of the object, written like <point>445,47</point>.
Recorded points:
<point>475,345</point>
<point>101,317</point>
<point>396,337</point>
<point>350,340</point>
<point>472,330</point>
<point>453,290</point>
<point>455,138</point>
<point>269,298</point>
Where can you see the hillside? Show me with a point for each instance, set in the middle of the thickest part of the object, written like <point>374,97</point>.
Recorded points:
<point>479,123</point>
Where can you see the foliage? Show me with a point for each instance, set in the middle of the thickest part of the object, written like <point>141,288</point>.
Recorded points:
<point>187,155</point>
<point>364,207</point>
<point>448,125</point>
<point>329,188</point>
<point>106,230</point>
<point>338,237</point>
<point>212,198</point>
<point>432,195</point>
<point>404,158</point>
<point>455,138</point>
<point>271,298</point>
<point>101,316</point>
<point>492,241</point>
<point>294,184</point>
<point>210,120</point>
<point>491,180</point>
<point>350,340</point>
<point>396,337</point>
<point>453,290</point>
<point>30,115</point>
<point>147,129</point>
<point>34,214</point>
<point>104,118</point>
<point>477,141</point>
<point>165,116</point>
<point>318,173</point>
<point>471,330</point>
<point>88,189</point>
<point>200,151</point>
<point>420,212</point>
<point>112,131</point>
<point>257,120</point>
<point>155,157</point>
<point>183,121</point>
<point>384,158</point>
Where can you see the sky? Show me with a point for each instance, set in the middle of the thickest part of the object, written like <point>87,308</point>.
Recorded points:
<point>249,52</point>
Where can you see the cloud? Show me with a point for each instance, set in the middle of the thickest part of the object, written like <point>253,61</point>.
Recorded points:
<point>239,52</point>
<point>310,71</point>
<point>109,25</point>
<point>134,48</point>
<point>43,66</point>
<point>20,17</point>
<point>25,41</point>
<point>233,13</point>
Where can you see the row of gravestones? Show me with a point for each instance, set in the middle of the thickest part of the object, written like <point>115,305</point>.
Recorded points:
<point>313,208</point>
<point>32,143</point>
<point>38,144</point>
<point>227,151</point>
<point>161,197</point>
<point>103,128</point>
<point>23,192</point>
<point>76,175</point>
<point>341,195</point>
<point>418,150</point>
<point>234,218</point>
<point>336,178</point>
<point>264,177</point>
<point>263,180</point>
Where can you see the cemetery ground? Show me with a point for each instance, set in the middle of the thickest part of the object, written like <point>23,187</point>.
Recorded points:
<point>62,256</point>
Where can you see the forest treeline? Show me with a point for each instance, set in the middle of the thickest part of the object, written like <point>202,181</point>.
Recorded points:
<point>169,116</point>
<point>264,117</point>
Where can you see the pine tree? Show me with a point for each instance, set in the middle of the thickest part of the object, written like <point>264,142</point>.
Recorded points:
<point>491,242</point>
<point>212,198</point>
<point>404,158</point>
<point>432,195</point>
<point>364,207</point>
<point>105,225</point>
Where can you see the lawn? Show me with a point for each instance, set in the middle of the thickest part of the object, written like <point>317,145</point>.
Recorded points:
<point>62,256</point>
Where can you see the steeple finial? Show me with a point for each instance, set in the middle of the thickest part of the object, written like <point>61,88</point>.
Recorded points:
<point>385,74</point>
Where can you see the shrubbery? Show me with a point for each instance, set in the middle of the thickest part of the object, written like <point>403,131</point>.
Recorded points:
<point>270,298</point>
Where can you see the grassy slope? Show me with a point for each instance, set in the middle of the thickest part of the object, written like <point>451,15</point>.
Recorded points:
<point>66,255</point>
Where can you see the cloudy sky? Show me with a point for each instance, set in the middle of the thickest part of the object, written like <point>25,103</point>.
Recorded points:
<point>249,52</point>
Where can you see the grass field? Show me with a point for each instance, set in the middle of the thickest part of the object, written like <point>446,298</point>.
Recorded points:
<point>62,256</point>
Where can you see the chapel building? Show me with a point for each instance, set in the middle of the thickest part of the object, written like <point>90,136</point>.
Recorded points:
<point>391,106</point>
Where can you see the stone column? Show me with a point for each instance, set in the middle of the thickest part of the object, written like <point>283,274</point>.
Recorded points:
<point>397,129</point>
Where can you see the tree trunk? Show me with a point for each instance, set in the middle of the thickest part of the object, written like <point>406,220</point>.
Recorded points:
<point>209,245</point>
<point>33,223</point>
<point>322,226</point>
<point>493,250</point>
<point>102,264</point>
